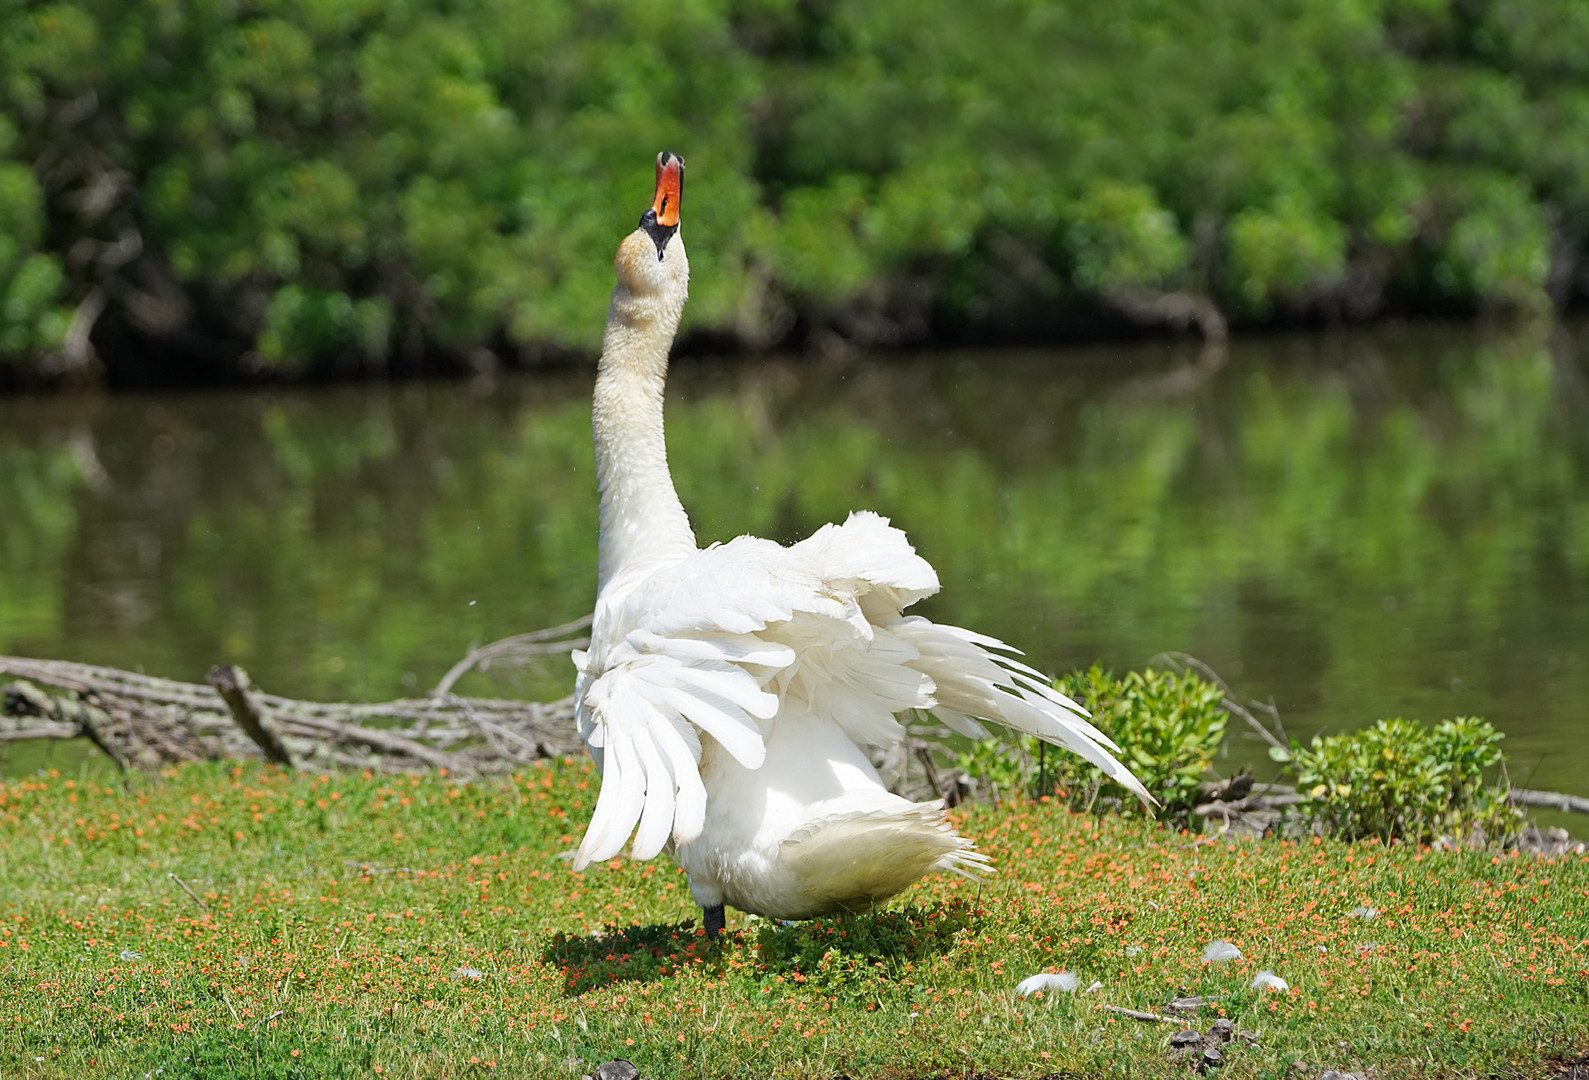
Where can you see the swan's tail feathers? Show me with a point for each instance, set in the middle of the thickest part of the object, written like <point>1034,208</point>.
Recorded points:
<point>979,678</point>
<point>861,858</point>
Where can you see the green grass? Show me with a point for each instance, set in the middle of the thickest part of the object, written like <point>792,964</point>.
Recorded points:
<point>344,918</point>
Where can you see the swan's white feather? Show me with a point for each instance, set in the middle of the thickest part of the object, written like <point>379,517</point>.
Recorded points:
<point>733,729</point>
<point>657,815</point>
<point>741,649</point>
<point>689,812</point>
<point>733,684</point>
<point>741,638</point>
<point>959,723</point>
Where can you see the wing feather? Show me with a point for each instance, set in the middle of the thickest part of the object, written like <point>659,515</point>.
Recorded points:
<point>976,677</point>
<point>735,649</point>
<point>731,684</point>
<point>737,734</point>
<point>689,814</point>
<point>656,816</point>
<point>619,802</point>
<point>960,723</point>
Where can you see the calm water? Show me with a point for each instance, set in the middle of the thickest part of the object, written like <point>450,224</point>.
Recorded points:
<point>1348,526</point>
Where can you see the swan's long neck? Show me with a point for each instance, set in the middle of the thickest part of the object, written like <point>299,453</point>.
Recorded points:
<point>643,524</point>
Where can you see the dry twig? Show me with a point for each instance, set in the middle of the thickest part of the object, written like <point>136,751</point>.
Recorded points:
<point>1137,1014</point>
<point>1277,738</point>
<point>517,649</point>
<point>191,894</point>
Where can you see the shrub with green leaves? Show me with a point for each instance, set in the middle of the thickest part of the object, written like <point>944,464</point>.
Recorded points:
<point>1402,780</point>
<point>367,183</point>
<point>1168,725</point>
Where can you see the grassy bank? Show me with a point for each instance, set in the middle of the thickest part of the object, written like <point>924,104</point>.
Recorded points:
<point>238,921</point>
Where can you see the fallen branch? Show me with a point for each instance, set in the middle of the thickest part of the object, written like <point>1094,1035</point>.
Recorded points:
<point>149,722</point>
<point>1262,797</point>
<point>191,894</point>
<point>1549,800</point>
<point>1180,661</point>
<point>1137,1014</point>
<point>517,649</point>
<point>58,719</point>
<point>232,683</point>
<point>372,870</point>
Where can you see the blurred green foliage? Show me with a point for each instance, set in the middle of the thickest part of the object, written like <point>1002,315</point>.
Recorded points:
<point>1400,779</point>
<point>302,181</point>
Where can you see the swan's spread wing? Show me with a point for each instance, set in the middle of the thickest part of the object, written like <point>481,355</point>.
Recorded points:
<point>642,719</point>
<point>719,642</point>
<point>968,676</point>
<point>681,655</point>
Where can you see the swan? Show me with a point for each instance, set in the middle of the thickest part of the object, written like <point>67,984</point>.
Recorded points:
<point>729,693</point>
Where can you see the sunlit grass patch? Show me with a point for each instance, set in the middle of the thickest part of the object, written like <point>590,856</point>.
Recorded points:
<point>240,921</point>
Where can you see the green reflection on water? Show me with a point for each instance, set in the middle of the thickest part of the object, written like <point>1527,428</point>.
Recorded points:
<point>1354,526</point>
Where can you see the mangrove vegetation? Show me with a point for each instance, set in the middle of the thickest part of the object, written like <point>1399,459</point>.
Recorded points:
<point>196,189</point>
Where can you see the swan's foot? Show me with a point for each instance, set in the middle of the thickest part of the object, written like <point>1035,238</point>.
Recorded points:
<point>716,920</point>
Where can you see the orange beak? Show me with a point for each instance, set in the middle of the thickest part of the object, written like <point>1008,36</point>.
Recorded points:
<point>670,189</point>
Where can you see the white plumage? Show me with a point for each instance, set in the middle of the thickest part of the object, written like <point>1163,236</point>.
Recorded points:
<point>729,694</point>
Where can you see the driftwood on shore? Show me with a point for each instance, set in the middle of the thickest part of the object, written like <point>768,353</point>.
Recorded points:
<point>141,721</point>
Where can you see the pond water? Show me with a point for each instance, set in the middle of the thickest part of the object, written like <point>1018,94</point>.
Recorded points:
<point>1348,526</point>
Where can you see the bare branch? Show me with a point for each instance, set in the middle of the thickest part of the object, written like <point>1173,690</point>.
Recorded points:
<point>1181,661</point>
<point>1138,1014</point>
<point>1550,800</point>
<point>151,722</point>
<point>194,896</point>
<point>231,682</point>
<point>519,647</point>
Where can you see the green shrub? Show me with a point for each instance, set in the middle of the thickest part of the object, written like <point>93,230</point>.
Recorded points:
<point>1168,726</point>
<point>469,167</point>
<point>1001,767</point>
<point>31,282</point>
<point>1499,246</point>
<point>1401,780</point>
<point>1283,252</point>
<point>1122,237</point>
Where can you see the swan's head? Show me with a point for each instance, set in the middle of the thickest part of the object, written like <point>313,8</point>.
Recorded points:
<point>651,261</point>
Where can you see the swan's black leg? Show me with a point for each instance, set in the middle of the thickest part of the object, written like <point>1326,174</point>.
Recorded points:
<point>716,921</point>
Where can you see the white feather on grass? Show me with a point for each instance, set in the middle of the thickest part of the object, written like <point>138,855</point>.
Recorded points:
<point>1063,982</point>
<point>1268,980</point>
<point>1218,952</point>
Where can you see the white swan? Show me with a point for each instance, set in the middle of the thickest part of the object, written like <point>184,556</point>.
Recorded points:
<point>728,693</point>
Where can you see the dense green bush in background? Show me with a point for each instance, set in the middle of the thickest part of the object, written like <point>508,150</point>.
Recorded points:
<point>1169,726</point>
<point>1401,779</point>
<point>288,182</point>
